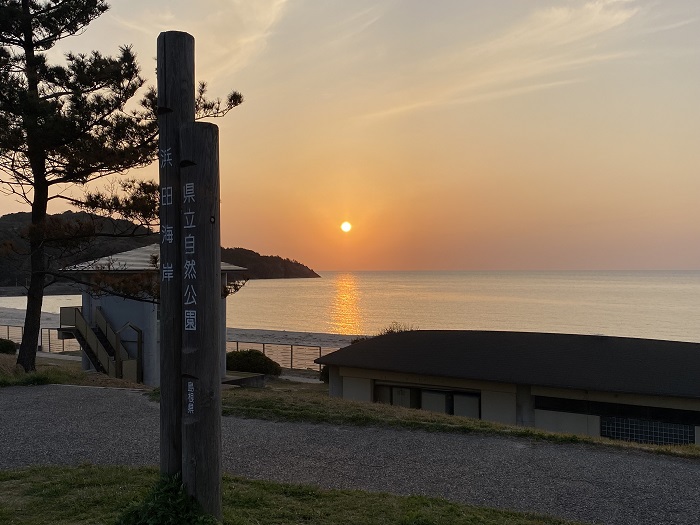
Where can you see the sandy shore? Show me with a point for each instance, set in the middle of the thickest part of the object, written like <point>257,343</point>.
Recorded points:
<point>15,317</point>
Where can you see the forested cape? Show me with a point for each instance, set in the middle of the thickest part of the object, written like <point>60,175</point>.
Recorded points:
<point>14,264</point>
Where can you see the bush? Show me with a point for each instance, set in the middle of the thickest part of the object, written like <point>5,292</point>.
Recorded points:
<point>252,361</point>
<point>324,374</point>
<point>7,346</point>
<point>166,504</point>
<point>396,327</point>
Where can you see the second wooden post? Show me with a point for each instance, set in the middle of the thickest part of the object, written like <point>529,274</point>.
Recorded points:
<point>201,289</point>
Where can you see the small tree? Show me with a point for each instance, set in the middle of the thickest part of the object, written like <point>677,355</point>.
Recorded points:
<point>63,125</point>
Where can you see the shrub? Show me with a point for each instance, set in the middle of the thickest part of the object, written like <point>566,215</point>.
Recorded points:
<point>252,361</point>
<point>166,504</point>
<point>7,346</point>
<point>396,327</point>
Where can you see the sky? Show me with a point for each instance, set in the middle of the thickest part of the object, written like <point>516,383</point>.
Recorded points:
<point>452,135</point>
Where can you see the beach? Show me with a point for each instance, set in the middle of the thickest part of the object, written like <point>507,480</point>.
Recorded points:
<point>15,317</point>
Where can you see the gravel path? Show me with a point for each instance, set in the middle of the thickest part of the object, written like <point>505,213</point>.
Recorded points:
<point>71,425</point>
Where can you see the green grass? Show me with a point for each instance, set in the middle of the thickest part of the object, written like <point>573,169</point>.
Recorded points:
<point>54,372</point>
<point>45,375</point>
<point>287,401</point>
<point>98,495</point>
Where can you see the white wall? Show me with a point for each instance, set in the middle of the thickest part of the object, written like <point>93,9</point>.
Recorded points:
<point>335,382</point>
<point>119,312</point>
<point>222,334</point>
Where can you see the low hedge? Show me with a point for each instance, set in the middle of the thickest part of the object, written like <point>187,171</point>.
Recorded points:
<point>252,361</point>
<point>7,346</point>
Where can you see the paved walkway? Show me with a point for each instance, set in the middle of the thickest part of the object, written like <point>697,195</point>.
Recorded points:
<point>71,425</point>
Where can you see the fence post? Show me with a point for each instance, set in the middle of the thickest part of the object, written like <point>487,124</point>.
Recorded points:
<point>264,349</point>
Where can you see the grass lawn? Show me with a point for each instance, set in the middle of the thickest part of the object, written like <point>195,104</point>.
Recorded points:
<point>56,371</point>
<point>92,495</point>
<point>292,401</point>
<point>97,495</point>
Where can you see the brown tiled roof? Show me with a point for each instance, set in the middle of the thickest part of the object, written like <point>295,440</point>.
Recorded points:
<point>587,362</point>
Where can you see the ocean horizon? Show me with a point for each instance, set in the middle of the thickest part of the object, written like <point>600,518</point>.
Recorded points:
<point>646,304</point>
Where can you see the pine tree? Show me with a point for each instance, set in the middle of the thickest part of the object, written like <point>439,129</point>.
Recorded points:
<point>68,124</point>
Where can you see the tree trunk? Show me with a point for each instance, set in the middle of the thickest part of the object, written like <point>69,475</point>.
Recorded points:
<point>37,160</point>
<point>32,319</point>
<point>35,295</point>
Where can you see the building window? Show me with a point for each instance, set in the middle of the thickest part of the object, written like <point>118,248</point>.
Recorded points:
<point>646,431</point>
<point>397,395</point>
<point>459,403</point>
<point>436,401</point>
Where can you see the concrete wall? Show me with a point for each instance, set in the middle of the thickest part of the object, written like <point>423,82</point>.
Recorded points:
<point>335,382</point>
<point>524,406</point>
<point>357,389</point>
<point>581,424</point>
<point>119,312</point>
<point>222,334</point>
<point>498,406</point>
<point>499,402</point>
<point>467,406</point>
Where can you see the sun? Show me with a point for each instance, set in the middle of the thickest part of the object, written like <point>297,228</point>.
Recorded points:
<point>346,226</point>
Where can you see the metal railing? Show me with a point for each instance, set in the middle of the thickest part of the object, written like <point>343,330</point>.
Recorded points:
<point>49,340</point>
<point>121,365</point>
<point>292,356</point>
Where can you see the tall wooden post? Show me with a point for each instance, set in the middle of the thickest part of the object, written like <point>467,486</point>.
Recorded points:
<point>175,106</point>
<point>201,305</point>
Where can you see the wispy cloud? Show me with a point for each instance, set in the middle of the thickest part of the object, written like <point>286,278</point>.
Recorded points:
<point>230,33</point>
<point>541,52</point>
<point>357,23</point>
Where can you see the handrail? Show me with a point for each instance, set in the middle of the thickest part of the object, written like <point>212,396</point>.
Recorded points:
<point>131,368</point>
<point>119,365</point>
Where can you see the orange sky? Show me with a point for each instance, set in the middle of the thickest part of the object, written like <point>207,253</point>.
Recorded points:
<point>452,135</point>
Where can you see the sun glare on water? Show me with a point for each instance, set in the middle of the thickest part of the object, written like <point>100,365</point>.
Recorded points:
<point>346,226</point>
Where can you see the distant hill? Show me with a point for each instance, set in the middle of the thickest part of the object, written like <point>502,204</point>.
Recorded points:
<point>14,269</point>
<point>14,263</point>
<point>265,266</point>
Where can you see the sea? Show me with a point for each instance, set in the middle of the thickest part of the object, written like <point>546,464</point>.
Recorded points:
<point>645,304</point>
